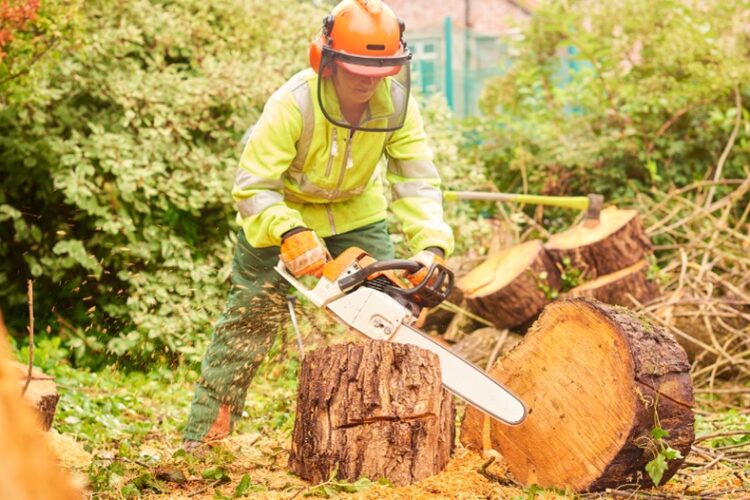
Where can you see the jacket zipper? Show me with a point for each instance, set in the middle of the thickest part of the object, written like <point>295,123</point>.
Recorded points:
<point>330,219</point>
<point>346,164</point>
<point>334,152</point>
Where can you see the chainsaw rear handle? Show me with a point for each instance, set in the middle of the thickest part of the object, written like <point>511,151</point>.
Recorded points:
<point>433,289</point>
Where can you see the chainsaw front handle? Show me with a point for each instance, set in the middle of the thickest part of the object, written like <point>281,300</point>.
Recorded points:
<point>434,288</point>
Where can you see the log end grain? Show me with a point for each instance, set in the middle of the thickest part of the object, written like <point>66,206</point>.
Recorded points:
<point>595,379</point>
<point>513,286</point>
<point>618,241</point>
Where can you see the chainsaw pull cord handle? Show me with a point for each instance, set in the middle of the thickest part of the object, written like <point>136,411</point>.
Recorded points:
<point>434,289</point>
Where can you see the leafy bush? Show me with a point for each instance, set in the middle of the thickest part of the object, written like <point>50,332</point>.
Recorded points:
<point>117,161</point>
<point>615,96</point>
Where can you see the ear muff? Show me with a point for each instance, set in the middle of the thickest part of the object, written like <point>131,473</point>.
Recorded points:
<point>328,26</point>
<point>402,28</point>
<point>316,46</point>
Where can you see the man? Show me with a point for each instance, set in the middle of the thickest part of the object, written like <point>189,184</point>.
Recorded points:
<point>309,182</point>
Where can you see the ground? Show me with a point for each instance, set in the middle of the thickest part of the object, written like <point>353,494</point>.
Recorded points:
<point>119,433</point>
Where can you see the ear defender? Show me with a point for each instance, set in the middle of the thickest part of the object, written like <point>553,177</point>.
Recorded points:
<point>316,46</point>
<point>402,28</point>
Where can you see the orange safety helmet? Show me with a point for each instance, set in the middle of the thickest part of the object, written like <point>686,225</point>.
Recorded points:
<point>363,36</point>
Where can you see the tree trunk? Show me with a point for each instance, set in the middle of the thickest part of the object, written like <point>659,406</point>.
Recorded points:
<point>41,394</point>
<point>510,288</point>
<point>617,242</point>
<point>596,380</point>
<point>374,409</point>
<point>615,288</point>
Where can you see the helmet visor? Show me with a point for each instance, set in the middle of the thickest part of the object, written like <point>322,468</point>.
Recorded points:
<point>364,93</point>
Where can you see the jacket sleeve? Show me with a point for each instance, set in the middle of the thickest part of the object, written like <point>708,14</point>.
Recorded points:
<point>258,187</point>
<point>415,186</point>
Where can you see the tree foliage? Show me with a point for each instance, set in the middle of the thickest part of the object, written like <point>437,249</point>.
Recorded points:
<point>611,95</point>
<point>116,163</point>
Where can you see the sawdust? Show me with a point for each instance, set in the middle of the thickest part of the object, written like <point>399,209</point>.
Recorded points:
<point>460,479</point>
<point>70,453</point>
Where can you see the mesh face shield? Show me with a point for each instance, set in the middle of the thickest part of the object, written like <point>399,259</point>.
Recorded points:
<point>378,86</point>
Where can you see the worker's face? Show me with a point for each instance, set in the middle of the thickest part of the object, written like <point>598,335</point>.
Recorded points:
<point>354,88</point>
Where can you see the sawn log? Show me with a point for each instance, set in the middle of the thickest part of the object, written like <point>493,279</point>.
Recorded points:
<point>597,379</point>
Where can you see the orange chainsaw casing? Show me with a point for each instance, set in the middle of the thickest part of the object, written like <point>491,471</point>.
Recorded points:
<point>335,268</point>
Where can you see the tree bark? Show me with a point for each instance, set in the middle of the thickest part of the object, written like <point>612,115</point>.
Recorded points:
<point>510,288</point>
<point>596,380</point>
<point>374,409</point>
<point>616,288</point>
<point>617,242</point>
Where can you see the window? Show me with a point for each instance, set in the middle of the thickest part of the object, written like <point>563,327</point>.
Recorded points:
<point>425,65</point>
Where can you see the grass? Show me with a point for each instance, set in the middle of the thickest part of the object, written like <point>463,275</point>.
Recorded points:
<point>130,422</point>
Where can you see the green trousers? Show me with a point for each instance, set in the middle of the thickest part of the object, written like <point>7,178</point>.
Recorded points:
<point>247,328</point>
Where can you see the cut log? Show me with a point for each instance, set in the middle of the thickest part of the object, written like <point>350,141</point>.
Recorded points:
<point>41,393</point>
<point>375,409</point>
<point>510,288</point>
<point>616,288</point>
<point>618,241</point>
<point>595,378</point>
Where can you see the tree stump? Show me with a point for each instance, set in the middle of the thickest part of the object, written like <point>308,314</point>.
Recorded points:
<point>616,287</point>
<point>617,242</point>
<point>596,380</point>
<point>41,394</point>
<point>510,288</point>
<point>373,409</point>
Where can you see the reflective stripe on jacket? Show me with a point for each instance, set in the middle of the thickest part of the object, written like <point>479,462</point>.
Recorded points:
<point>298,169</point>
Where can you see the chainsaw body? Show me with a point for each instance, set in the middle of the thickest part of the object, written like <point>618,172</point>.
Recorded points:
<point>368,296</point>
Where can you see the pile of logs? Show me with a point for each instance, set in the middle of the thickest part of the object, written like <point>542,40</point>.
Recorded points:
<point>597,380</point>
<point>511,288</point>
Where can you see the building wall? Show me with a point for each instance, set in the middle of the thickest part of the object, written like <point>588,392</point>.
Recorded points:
<point>476,53</point>
<point>490,17</point>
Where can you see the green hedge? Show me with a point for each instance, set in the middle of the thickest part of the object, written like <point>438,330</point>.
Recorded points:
<point>614,96</point>
<point>117,154</point>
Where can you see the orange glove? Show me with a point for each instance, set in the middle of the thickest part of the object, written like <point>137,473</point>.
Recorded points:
<point>303,252</point>
<point>426,258</point>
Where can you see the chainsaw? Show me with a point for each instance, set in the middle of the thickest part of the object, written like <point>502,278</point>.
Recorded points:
<point>369,297</point>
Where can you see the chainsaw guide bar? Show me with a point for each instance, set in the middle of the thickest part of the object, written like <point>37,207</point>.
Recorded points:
<point>382,316</point>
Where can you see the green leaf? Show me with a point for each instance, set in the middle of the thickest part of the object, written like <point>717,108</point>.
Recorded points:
<point>76,250</point>
<point>129,491</point>
<point>659,433</point>
<point>384,481</point>
<point>216,474</point>
<point>246,486</point>
<point>243,486</point>
<point>671,454</point>
<point>656,468</point>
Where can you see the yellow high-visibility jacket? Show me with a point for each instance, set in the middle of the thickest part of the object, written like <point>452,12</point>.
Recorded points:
<point>298,169</point>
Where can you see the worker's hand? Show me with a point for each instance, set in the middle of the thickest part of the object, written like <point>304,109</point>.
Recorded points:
<point>426,257</point>
<point>303,252</point>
